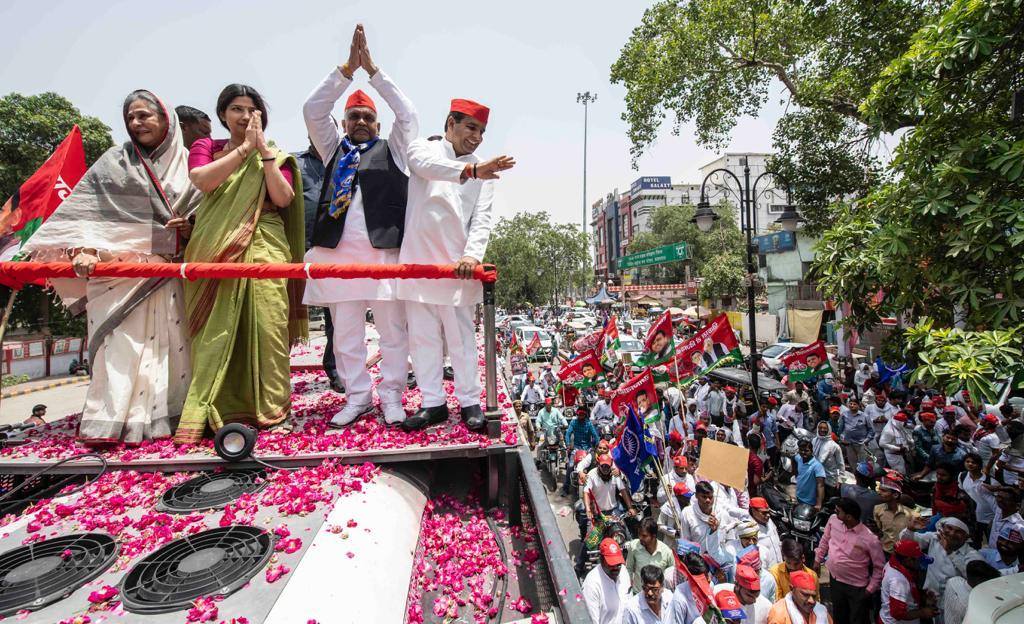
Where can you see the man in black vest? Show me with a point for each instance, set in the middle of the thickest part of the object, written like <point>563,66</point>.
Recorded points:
<point>361,219</point>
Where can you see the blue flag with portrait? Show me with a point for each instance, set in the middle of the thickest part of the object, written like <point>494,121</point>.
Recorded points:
<point>635,447</point>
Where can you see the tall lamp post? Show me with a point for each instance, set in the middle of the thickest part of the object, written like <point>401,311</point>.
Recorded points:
<point>705,218</point>
<point>585,99</point>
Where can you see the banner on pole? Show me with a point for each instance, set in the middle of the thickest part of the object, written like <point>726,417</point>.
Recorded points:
<point>807,362</point>
<point>713,345</point>
<point>583,372</point>
<point>639,394</point>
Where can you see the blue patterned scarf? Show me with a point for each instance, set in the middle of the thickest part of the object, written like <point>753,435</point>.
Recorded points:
<point>345,176</point>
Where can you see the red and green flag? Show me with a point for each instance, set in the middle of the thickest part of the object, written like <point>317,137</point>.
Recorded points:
<point>38,196</point>
<point>712,346</point>
<point>807,362</point>
<point>660,342</point>
<point>582,372</point>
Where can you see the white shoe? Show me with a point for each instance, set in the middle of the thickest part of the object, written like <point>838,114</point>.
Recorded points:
<point>394,413</point>
<point>349,414</point>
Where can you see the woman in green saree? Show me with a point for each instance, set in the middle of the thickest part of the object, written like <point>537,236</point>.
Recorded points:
<point>242,330</point>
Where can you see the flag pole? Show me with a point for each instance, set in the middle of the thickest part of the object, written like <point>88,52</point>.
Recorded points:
<point>3,323</point>
<point>671,497</point>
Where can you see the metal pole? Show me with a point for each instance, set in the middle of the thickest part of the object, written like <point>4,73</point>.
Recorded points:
<point>491,363</point>
<point>585,109</point>
<point>3,323</point>
<point>751,272</point>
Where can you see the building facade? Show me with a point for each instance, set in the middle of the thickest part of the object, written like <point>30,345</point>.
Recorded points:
<point>607,227</point>
<point>770,199</point>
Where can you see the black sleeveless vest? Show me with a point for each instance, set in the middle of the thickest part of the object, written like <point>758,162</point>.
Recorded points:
<point>385,189</point>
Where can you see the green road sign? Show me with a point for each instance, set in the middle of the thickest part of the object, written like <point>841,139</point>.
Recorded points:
<point>658,255</point>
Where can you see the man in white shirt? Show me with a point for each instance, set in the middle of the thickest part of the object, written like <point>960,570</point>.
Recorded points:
<point>948,548</point>
<point>768,542</point>
<point>606,588</point>
<point>653,605</point>
<point>880,412</point>
<point>360,219</point>
<point>531,394</point>
<point>701,393</point>
<point>448,221</point>
<point>605,492</point>
<point>748,591</point>
<point>602,413</point>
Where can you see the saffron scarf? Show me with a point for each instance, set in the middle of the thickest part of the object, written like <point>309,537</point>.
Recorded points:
<point>344,177</point>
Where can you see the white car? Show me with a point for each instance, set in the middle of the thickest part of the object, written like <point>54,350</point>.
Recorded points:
<point>999,601</point>
<point>525,334</point>
<point>637,328</point>
<point>772,356</point>
<point>629,346</point>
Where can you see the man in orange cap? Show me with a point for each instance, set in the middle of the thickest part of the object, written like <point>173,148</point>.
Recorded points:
<point>800,605</point>
<point>360,219</point>
<point>606,588</point>
<point>448,221</point>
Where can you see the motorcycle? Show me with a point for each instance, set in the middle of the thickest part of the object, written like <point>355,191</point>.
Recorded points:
<point>554,453</point>
<point>797,520</point>
<point>615,528</point>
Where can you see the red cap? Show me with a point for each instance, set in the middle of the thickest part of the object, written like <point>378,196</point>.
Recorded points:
<point>802,579</point>
<point>758,503</point>
<point>680,489</point>
<point>772,401</point>
<point>611,552</point>
<point>604,460</point>
<point>990,419</point>
<point>908,548</point>
<point>730,389</point>
<point>359,98</point>
<point>747,578</point>
<point>547,401</point>
<point>679,461</point>
<point>949,409</point>
<point>927,417</point>
<point>900,416</point>
<point>675,436</point>
<point>701,427</point>
<point>471,108</point>
<point>729,605</point>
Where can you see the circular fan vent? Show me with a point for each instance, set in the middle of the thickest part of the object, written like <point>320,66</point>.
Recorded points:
<point>38,574</point>
<point>211,490</point>
<point>214,562</point>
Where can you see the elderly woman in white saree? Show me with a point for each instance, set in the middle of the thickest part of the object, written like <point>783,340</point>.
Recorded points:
<point>130,206</point>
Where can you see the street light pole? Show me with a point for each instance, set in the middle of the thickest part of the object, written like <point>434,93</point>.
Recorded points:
<point>585,99</point>
<point>705,217</point>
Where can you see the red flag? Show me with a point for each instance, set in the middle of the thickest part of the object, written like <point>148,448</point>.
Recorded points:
<point>37,197</point>
<point>534,344</point>
<point>640,393</point>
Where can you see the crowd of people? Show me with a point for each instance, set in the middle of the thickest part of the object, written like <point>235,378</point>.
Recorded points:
<point>182,359</point>
<point>919,493</point>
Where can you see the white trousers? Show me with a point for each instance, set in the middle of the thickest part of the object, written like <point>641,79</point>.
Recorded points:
<point>349,318</point>
<point>427,321</point>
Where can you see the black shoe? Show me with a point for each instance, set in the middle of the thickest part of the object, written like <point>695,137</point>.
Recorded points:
<point>426,417</point>
<point>474,418</point>
<point>336,385</point>
<point>448,373</point>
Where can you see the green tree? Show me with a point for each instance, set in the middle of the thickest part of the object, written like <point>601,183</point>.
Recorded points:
<point>713,61</point>
<point>945,237</point>
<point>538,261</point>
<point>951,358</point>
<point>31,127</point>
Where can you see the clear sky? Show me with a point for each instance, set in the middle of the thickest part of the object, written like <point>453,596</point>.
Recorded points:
<point>525,59</point>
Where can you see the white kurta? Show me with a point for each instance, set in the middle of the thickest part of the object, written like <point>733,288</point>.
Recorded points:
<point>446,219</point>
<point>355,244</point>
<point>348,299</point>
